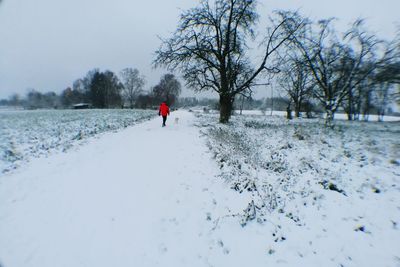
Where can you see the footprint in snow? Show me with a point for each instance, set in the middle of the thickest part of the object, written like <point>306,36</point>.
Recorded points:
<point>225,249</point>
<point>174,221</point>
<point>162,248</point>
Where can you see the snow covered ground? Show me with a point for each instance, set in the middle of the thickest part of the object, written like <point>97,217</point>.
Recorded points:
<point>26,134</point>
<point>260,191</point>
<point>325,197</point>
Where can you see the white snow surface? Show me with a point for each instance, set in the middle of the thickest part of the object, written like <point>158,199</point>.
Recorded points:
<point>34,133</point>
<point>153,196</point>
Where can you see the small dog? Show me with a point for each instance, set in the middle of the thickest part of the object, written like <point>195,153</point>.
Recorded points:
<point>176,120</point>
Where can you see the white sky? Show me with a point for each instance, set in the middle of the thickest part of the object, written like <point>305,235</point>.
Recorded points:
<point>47,44</point>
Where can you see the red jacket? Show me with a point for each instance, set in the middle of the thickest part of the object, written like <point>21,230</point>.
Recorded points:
<point>163,110</point>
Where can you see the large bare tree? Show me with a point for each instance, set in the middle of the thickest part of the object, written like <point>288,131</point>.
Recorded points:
<point>210,48</point>
<point>133,84</point>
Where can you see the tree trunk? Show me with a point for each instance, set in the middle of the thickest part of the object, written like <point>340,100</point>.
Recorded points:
<point>350,109</point>
<point>241,105</point>
<point>349,116</point>
<point>225,109</point>
<point>297,110</point>
<point>330,115</point>
<point>289,113</point>
<point>367,106</point>
<point>381,113</point>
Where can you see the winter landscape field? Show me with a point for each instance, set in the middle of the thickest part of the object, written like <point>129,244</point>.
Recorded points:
<point>211,133</point>
<point>259,191</point>
<point>27,134</point>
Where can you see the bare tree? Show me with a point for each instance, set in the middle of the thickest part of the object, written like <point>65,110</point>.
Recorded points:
<point>389,69</point>
<point>362,100</point>
<point>336,64</point>
<point>295,79</point>
<point>365,63</point>
<point>133,84</point>
<point>210,48</point>
<point>168,89</point>
<point>382,98</point>
<point>105,90</point>
<point>15,100</point>
<point>81,88</point>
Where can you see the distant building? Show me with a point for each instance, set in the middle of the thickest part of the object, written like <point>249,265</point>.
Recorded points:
<point>81,106</point>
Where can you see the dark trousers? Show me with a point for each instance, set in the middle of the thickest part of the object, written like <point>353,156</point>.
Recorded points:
<point>164,119</point>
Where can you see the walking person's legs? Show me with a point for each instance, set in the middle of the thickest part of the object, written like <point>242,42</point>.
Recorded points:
<point>164,120</point>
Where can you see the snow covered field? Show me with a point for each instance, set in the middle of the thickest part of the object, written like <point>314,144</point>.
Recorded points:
<point>261,191</point>
<point>322,197</point>
<point>27,134</point>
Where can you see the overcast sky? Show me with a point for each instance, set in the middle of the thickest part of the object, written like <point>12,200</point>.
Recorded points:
<point>47,44</point>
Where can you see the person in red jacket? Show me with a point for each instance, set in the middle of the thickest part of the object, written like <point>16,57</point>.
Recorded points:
<point>164,112</point>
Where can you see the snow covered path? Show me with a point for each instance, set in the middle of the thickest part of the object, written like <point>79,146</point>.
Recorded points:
<point>139,197</point>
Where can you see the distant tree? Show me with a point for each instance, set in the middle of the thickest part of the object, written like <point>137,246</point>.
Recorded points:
<point>133,84</point>
<point>210,48</point>
<point>362,102</point>
<point>15,100</point>
<point>381,98</point>
<point>187,102</point>
<point>105,90</point>
<point>336,64</point>
<point>243,97</point>
<point>145,101</point>
<point>389,73</point>
<point>51,100</point>
<point>295,80</point>
<point>364,46</point>
<point>279,103</point>
<point>168,89</point>
<point>34,99</point>
<point>389,69</point>
<point>82,87</point>
<point>81,91</point>
<point>4,102</point>
<point>73,96</point>
<point>358,98</point>
<point>67,98</point>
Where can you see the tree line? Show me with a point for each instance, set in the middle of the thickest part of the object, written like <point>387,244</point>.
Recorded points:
<point>310,60</point>
<point>104,89</point>
<point>313,64</point>
<point>353,71</point>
